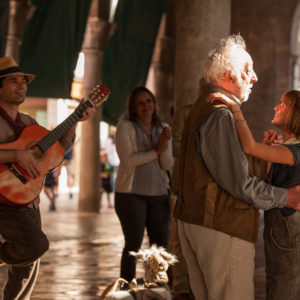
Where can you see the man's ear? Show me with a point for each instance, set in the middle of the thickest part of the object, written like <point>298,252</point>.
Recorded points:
<point>228,77</point>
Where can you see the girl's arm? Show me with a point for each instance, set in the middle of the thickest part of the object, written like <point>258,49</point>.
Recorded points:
<point>272,153</point>
<point>269,137</point>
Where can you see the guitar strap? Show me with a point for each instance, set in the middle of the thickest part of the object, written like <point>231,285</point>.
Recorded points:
<point>18,125</point>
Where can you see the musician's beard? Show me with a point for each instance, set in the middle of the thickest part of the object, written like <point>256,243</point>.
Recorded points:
<point>17,100</point>
<point>21,100</point>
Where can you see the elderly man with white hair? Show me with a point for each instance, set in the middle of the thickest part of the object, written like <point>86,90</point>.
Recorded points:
<point>218,194</point>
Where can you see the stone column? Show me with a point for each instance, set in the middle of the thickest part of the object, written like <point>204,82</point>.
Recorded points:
<point>272,54</point>
<point>94,40</point>
<point>199,27</point>
<point>18,12</point>
<point>161,72</point>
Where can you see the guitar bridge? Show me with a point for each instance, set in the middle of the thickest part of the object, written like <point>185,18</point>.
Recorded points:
<point>16,173</point>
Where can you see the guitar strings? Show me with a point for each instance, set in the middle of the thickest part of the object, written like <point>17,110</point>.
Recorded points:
<point>47,141</point>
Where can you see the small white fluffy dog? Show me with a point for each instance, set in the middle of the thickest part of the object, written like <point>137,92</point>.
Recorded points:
<point>156,261</point>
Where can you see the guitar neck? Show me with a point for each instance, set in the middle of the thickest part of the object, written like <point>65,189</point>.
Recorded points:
<point>58,132</point>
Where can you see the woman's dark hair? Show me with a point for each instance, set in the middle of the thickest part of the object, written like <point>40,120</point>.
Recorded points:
<point>131,105</point>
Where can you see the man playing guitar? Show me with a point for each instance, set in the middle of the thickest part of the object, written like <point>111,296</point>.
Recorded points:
<point>20,225</point>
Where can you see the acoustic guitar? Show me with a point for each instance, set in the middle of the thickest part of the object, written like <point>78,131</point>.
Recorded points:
<point>16,187</point>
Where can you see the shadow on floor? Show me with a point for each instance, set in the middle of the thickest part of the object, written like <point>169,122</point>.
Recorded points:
<point>85,251</point>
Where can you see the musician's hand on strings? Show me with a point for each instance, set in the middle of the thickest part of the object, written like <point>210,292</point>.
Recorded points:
<point>28,162</point>
<point>88,112</point>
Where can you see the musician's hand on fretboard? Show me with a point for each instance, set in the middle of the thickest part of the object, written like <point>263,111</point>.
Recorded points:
<point>88,112</point>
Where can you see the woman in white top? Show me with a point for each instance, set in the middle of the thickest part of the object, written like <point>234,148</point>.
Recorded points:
<point>143,144</point>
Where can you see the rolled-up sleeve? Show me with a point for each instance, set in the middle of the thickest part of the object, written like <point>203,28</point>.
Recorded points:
<point>220,149</point>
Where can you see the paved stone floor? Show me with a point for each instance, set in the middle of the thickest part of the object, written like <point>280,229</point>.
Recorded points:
<point>85,251</point>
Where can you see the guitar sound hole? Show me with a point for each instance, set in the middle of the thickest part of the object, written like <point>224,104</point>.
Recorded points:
<point>37,152</point>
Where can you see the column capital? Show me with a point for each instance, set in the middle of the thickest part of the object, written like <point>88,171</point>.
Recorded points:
<point>18,13</point>
<point>96,33</point>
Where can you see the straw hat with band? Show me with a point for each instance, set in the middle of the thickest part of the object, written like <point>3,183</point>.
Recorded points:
<point>9,67</point>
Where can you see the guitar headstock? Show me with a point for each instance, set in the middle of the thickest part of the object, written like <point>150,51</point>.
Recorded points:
<point>99,94</point>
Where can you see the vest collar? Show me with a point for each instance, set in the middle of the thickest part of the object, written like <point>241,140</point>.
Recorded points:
<point>214,88</point>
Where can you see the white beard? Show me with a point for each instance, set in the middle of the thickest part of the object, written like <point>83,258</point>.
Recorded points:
<point>244,90</point>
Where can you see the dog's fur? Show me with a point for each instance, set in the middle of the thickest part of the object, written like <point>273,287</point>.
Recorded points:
<point>156,261</point>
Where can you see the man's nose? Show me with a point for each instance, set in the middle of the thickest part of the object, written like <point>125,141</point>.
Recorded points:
<point>254,77</point>
<point>21,84</point>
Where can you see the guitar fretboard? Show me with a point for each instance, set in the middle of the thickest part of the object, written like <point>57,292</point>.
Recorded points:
<point>53,136</point>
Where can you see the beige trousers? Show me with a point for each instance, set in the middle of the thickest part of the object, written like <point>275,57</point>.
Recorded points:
<point>220,267</point>
<point>180,279</point>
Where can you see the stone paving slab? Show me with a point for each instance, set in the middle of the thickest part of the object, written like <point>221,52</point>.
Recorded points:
<point>84,255</point>
<point>85,252</point>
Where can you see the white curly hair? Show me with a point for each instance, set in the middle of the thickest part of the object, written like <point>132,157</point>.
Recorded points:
<point>224,58</point>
